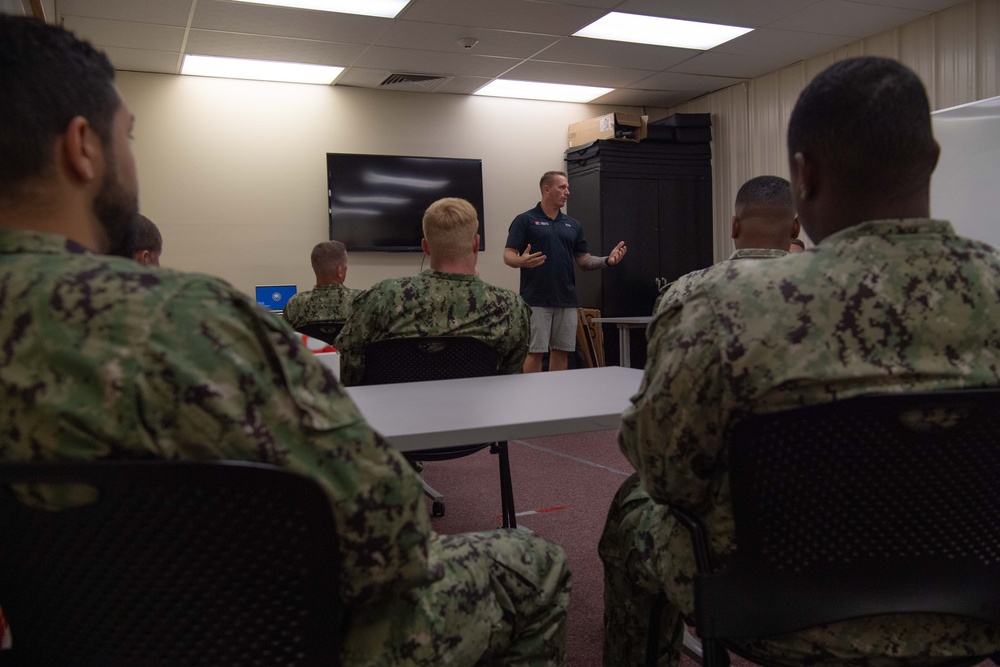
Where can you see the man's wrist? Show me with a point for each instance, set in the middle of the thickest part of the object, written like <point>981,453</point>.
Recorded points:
<point>607,260</point>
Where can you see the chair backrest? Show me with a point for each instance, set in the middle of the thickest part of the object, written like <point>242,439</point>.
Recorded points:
<point>227,564</point>
<point>428,358</point>
<point>871,505</point>
<point>325,330</point>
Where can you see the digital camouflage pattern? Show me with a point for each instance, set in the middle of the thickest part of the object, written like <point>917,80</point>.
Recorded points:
<point>322,302</point>
<point>679,290</point>
<point>102,358</point>
<point>884,306</point>
<point>436,303</point>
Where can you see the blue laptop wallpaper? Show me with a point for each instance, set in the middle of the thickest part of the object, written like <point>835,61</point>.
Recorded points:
<point>274,297</point>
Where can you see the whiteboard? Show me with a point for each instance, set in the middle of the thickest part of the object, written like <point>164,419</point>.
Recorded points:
<point>965,187</point>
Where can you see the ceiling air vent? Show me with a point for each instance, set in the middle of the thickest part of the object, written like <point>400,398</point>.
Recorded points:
<point>417,82</point>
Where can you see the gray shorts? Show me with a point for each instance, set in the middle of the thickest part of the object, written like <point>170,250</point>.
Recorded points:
<point>552,328</point>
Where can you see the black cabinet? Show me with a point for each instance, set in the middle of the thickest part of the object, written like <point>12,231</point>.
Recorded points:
<point>657,197</point>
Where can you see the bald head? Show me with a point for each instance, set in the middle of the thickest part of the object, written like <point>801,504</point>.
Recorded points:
<point>764,215</point>
<point>329,262</point>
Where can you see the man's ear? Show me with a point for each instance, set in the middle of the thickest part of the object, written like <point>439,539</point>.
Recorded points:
<point>82,149</point>
<point>796,227</point>
<point>735,230</point>
<point>426,248</point>
<point>475,244</point>
<point>805,177</point>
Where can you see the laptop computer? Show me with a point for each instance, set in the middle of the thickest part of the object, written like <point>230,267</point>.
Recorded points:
<point>274,297</point>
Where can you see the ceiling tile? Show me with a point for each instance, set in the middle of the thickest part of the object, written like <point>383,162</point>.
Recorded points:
<point>581,75</point>
<point>919,5</point>
<point>674,81</point>
<point>284,22</point>
<point>790,45</point>
<point>125,34</point>
<point>604,4</point>
<point>614,54</point>
<point>730,64</point>
<point>645,98</point>
<point>432,62</point>
<point>440,37</point>
<point>164,12</point>
<point>838,17</point>
<point>235,45</point>
<point>746,13</point>
<point>522,15</point>
<point>141,60</point>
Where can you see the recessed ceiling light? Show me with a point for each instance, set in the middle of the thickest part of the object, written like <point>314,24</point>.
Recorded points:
<point>622,27</point>
<point>262,70</point>
<point>386,8</point>
<point>533,90</point>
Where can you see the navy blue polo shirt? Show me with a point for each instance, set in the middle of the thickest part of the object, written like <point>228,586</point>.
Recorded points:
<point>553,284</point>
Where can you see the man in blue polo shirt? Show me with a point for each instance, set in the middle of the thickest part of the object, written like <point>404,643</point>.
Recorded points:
<point>544,243</point>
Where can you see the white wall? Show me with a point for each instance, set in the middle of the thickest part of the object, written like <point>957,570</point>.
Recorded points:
<point>234,172</point>
<point>965,188</point>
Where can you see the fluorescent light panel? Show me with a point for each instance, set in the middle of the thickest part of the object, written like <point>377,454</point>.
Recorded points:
<point>384,8</point>
<point>533,90</point>
<point>640,29</point>
<point>260,70</point>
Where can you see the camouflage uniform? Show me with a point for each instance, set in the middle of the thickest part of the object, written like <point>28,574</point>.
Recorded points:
<point>322,302</point>
<point>890,305</point>
<point>101,358</point>
<point>679,290</point>
<point>436,303</point>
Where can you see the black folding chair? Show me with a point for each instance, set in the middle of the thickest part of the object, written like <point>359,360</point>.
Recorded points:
<point>168,564</point>
<point>441,358</point>
<point>325,330</point>
<point>881,504</point>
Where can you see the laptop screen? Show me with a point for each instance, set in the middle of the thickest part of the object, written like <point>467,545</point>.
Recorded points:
<point>274,297</point>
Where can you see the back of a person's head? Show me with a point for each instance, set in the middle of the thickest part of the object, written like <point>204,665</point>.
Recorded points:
<point>868,120</point>
<point>146,243</point>
<point>766,213</point>
<point>326,258</point>
<point>48,77</point>
<point>450,226</point>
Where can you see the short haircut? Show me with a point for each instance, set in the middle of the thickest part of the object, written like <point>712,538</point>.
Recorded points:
<point>328,256</point>
<point>765,192</point>
<point>48,77</point>
<point>869,120</point>
<point>147,236</point>
<point>549,177</point>
<point>450,225</point>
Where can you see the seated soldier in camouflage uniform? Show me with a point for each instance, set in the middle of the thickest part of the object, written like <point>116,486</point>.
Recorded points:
<point>449,299</point>
<point>103,358</point>
<point>330,299</point>
<point>888,300</point>
<point>763,222</point>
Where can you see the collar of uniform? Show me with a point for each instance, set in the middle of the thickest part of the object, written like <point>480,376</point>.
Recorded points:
<point>329,287</point>
<point>892,227</point>
<point>14,241</point>
<point>538,209</point>
<point>758,253</point>
<point>446,275</point>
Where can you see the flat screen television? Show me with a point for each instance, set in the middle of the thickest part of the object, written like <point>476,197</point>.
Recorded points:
<point>377,202</point>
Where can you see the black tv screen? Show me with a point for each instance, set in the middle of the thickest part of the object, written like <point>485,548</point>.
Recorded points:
<point>377,202</point>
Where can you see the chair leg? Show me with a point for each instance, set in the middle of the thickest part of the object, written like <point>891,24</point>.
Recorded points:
<point>653,630</point>
<point>437,499</point>
<point>506,487</point>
